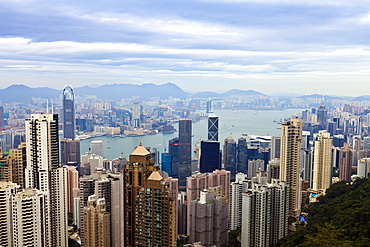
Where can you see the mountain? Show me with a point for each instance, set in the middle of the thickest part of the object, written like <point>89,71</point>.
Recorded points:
<point>22,93</point>
<point>243,93</point>
<point>361,98</point>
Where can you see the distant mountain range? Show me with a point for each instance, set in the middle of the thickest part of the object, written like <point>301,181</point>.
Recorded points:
<point>22,93</point>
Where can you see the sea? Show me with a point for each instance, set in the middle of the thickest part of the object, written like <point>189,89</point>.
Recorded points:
<point>232,123</point>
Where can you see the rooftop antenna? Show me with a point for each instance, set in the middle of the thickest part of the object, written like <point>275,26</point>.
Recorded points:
<point>47,106</point>
<point>52,106</point>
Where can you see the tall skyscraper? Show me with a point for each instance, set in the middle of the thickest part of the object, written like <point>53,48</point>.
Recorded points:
<point>345,163</point>
<point>173,150</point>
<point>229,158</point>
<point>363,168</point>
<point>322,115</point>
<point>322,161</point>
<point>185,133</point>
<point>212,127</point>
<point>291,134</point>
<point>237,188</point>
<point>146,192</point>
<point>210,156</point>
<point>264,213</point>
<point>44,173</point>
<point>69,121</point>
<point>136,114</point>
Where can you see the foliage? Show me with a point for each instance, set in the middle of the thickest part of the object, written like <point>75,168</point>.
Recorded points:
<point>341,218</point>
<point>233,238</point>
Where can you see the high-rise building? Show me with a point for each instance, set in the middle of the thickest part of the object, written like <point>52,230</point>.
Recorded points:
<point>264,213</point>
<point>184,167</point>
<point>145,189</point>
<point>322,161</point>
<point>136,114</point>
<point>322,116</point>
<point>28,221</point>
<point>291,134</point>
<point>275,147</point>
<point>97,147</point>
<point>166,163</point>
<point>229,158</point>
<point>210,156</point>
<point>212,127</point>
<point>69,122</point>
<point>1,117</point>
<point>255,166</point>
<point>363,168</point>
<point>72,183</point>
<point>345,163</point>
<point>200,181</point>
<point>97,222</point>
<point>237,188</point>
<point>70,152</point>
<point>44,173</point>
<point>7,189</point>
<point>173,150</point>
<point>210,207</point>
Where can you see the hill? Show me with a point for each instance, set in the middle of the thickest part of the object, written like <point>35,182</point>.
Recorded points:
<point>341,218</point>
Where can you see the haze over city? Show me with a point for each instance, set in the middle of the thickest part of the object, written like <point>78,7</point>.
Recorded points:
<point>268,46</point>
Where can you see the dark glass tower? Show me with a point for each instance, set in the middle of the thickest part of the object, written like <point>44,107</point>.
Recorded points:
<point>213,128</point>
<point>185,132</point>
<point>173,150</point>
<point>210,156</point>
<point>68,115</point>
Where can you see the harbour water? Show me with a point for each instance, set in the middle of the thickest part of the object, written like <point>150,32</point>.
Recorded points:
<point>231,124</point>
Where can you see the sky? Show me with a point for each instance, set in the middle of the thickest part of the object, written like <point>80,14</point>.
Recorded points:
<point>271,46</point>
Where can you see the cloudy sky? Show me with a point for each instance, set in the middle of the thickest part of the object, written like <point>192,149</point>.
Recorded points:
<point>272,46</point>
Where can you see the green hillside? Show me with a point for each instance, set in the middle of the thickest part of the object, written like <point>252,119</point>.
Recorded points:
<point>341,218</point>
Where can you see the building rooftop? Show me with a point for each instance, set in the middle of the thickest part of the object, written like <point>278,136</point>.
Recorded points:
<point>140,150</point>
<point>155,176</point>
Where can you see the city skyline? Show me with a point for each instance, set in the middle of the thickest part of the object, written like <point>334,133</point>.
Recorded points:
<point>266,46</point>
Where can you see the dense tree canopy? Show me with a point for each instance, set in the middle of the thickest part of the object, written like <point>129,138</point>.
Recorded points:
<point>341,218</point>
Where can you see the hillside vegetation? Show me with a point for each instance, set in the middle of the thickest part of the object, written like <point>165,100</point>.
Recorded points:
<point>341,218</point>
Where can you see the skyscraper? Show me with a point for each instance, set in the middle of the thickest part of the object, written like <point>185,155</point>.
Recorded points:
<point>1,116</point>
<point>173,150</point>
<point>210,156</point>
<point>322,161</point>
<point>70,152</point>
<point>69,122</point>
<point>291,134</point>
<point>345,163</point>
<point>146,192</point>
<point>185,133</point>
<point>44,173</point>
<point>230,150</point>
<point>97,147</point>
<point>264,213</point>
<point>212,127</point>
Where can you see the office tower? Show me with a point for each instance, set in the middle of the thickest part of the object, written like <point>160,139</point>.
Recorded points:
<point>237,188</point>
<point>97,147</point>
<point>97,222</point>
<point>72,183</point>
<point>1,117</point>
<point>307,173</point>
<point>209,106</point>
<point>255,166</point>
<point>322,116</point>
<point>144,189</point>
<point>291,134</point>
<point>200,181</point>
<point>68,115</point>
<point>338,141</point>
<point>44,173</point>
<point>210,156</point>
<point>363,168</point>
<point>242,159</point>
<point>185,133</point>
<point>212,127</point>
<point>70,152</point>
<point>265,215</point>
<point>7,189</point>
<point>229,157</point>
<point>322,161</point>
<point>136,114</point>
<point>166,163</point>
<point>345,163</point>
<point>76,208</point>
<point>173,150</point>
<point>210,207</point>
<point>275,147</point>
